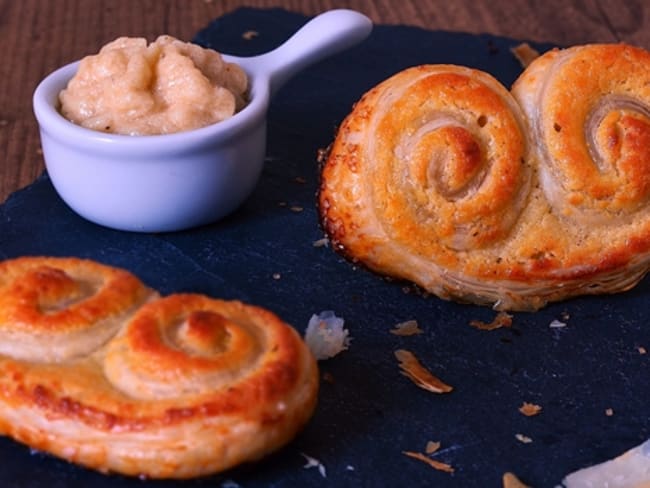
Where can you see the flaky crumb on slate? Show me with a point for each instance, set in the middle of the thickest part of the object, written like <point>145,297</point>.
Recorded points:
<point>511,481</point>
<point>609,412</point>
<point>422,377</point>
<point>321,242</point>
<point>314,463</point>
<point>432,447</point>
<point>502,319</point>
<point>407,328</point>
<point>556,324</point>
<point>250,34</point>
<point>525,54</point>
<point>325,335</point>
<point>440,466</point>
<point>296,208</point>
<point>524,439</point>
<point>530,409</point>
<point>642,350</point>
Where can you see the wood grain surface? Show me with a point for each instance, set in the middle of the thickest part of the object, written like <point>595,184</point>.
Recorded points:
<point>40,35</point>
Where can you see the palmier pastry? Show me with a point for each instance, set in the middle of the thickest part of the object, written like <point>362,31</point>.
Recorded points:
<point>187,386</point>
<point>437,177</point>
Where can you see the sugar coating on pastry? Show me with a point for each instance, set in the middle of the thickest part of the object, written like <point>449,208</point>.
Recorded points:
<point>440,176</point>
<point>186,385</point>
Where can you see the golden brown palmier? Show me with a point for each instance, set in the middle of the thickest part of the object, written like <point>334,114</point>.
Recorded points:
<point>436,177</point>
<point>56,309</point>
<point>187,386</point>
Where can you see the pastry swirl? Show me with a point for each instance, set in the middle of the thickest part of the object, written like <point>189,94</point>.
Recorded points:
<point>442,177</point>
<point>183,386</point>
<point>462,179</point>
<point>589,108</point>
<point>55,309</point>
<point>431,166</point>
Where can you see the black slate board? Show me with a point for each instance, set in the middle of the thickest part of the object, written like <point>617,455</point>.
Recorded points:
<point>371,413</point>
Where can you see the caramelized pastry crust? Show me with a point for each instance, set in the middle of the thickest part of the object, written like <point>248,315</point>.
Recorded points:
<point>439,177</point>
<point>589,108</point>
<point>185,386</point>
<point>57,309</point>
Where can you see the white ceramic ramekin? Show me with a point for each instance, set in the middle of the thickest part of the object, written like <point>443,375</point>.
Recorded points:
<point>176,181</point>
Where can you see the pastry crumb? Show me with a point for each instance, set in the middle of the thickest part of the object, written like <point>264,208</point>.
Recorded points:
<point>556,324</point>
<point>440,466</point>
<point>321,242</point>
<point>525,54</point>
<point>530,409</point>
<point>642,350</point>
<point>609,412</point>
<point>422,377</point>
<point>524,439</point>
<point>407,328</point>
<point>432,447</point>
<point>314,463</point>
<point>250,34</point>
<point>511,481</point>
<point>502,319</point>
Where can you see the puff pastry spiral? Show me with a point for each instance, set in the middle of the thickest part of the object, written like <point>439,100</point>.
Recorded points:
<point>173,387</point>
<point>441,176</point>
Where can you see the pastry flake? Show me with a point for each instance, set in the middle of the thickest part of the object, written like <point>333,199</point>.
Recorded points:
<point>530,409</point>
<point>411,367</point>
<point>510,480</point>
<point>439,465</point>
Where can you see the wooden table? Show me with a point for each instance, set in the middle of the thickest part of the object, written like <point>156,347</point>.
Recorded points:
<point>39,36</point>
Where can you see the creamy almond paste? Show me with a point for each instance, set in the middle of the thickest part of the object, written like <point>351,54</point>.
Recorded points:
<point>168,86</point>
